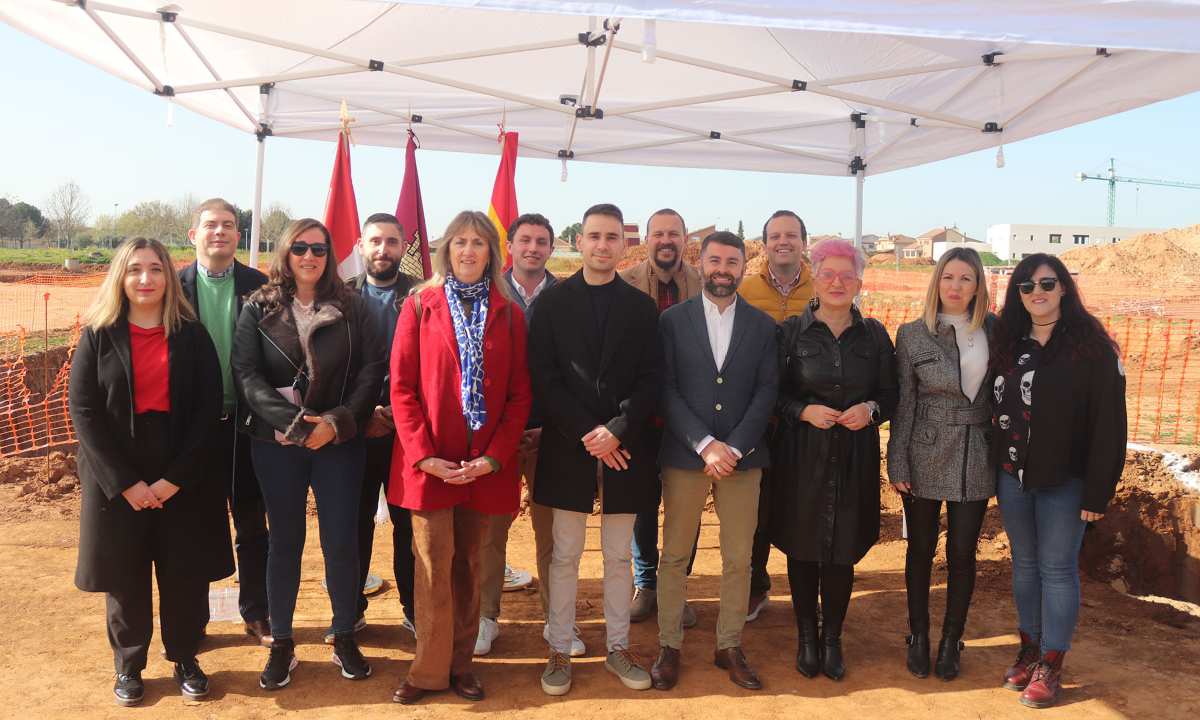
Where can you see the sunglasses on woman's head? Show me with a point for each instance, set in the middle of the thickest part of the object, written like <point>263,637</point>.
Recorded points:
<point>318,249</point>
<point>1047,284</point>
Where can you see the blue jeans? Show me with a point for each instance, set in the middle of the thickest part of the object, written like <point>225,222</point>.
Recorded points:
<point>645,550</point>
<point>1045,531</point>
<point>335,474</point>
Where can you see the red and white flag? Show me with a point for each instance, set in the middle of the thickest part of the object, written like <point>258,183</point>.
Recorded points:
<point>410,211</point>
<point>341,212</point>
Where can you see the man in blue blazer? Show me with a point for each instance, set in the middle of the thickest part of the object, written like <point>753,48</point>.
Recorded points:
<point>720,376</point>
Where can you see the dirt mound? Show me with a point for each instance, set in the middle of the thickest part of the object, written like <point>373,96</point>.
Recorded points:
<point>1172,252</point>
<point>36,485</point>
<point>691,254</point>
<point>890,259</point>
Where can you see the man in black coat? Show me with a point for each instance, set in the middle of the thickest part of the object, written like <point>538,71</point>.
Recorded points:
<point>593,360</point>
<point>216,285</point>
<point>720,378</point>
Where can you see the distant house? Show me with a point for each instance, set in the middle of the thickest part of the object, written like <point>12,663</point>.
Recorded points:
<point>699,235</point>
<point>904,245</point>
<point>869,242</point>
<point>632,235</point>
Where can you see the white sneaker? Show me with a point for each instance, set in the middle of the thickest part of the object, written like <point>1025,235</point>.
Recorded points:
<point>578,649</point>
<point>489,630</point>
<point>408,625</point>
<point>516,579</point>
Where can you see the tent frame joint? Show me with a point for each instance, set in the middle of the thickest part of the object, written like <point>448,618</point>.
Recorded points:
<point>375,65</point>
<point>415,119</point>
<point>266,88</point>
<point>586,39</point>
<point>857,165</point>
<point>859,119</point>
<point>799,85</point>
<point>989,59</point>
<point>165,91</point>
<point>1103,52</point>
<point>566,154</point>
<point>263,132</point>
<point>714,135</point>
<point>587,111</point>
<point>168,15</point>
<point>992,127</point>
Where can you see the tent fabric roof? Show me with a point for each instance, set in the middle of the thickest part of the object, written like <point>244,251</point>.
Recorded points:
<point>798,87</point>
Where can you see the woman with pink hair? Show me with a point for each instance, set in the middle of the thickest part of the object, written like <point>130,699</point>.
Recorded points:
<point>837,383</point>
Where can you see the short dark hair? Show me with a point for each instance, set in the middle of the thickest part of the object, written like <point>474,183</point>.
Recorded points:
<point>607,209</point>
<point>531,219</point>
<point>786,213</point>
<point>383,219</point>
<point>666,211</point>
<point>723,237</point>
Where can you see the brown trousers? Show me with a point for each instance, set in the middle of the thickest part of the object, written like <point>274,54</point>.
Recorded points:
<point>495,540</point>
<point>446,589</point>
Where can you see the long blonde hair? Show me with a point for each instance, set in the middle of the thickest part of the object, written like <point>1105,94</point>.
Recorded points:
<point>111,304</point>
<point>977,308</point>
<point>482,224</point>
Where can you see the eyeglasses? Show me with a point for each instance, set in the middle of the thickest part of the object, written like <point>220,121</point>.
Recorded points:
<point>318,249</point>
<point>828,276</point>
<point>1047,284</point>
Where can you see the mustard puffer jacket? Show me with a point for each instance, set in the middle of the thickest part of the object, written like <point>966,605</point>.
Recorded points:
<point>757,290</point>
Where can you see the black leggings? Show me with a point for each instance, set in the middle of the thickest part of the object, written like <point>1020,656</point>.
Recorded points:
<point>834,584</point>
<point>964,521</point>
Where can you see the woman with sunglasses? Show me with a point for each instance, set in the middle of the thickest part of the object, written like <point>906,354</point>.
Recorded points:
<point>148,509</point>
<point>308,360</point>
<point>938,448</point>
<point>837,384</point>
<point>1059,445</point>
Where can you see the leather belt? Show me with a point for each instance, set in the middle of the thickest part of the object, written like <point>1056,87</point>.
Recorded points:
<point>955,416</point>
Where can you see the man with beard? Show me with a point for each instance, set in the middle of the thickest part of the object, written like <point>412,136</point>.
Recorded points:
<point>668,280</point>
<point>782,288</point>
<point>530,244</point>
<point>382,247</point>
<point>216,285</point>
<point>719,381</point>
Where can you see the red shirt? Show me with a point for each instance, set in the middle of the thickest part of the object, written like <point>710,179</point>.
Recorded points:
<point>151,387</point>
<point>668,295</point>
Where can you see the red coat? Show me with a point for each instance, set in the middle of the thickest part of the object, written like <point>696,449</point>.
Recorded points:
<point>427,406</point>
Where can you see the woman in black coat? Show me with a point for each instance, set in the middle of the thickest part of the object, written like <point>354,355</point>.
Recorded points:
<point>145,396</point>
<point>837,383</point>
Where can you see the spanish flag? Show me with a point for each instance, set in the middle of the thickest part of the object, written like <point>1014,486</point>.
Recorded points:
<point>503,208</point>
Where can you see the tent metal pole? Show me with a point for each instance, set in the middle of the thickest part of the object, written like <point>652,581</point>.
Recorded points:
<point>706,134</point>
<point>859,180</point>
<point>256,218</point>
<point>91,12</point>
<point>247,82</point>
<point>213,71</point>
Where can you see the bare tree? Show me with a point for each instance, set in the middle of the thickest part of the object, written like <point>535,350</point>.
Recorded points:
<point>274,221</point>
<point>67,209</point>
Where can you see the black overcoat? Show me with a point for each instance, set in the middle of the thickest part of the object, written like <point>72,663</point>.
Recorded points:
<point>101,404</point>
<point>578,386</point>
<point>825,482</point>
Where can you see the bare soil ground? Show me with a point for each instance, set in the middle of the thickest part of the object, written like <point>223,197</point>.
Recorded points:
<point>1132,658</point>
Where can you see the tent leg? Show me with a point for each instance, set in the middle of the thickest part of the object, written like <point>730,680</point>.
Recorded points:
<point>256,219</point>
<point>859,179</point>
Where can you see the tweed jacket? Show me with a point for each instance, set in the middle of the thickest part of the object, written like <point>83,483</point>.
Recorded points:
<point>939,438</point>
<point>643,277</point>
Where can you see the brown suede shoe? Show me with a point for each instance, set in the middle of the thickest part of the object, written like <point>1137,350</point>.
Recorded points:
<point>408,694</point>
<point>260,630</point>
<point>467,686</point>
<point>740,672</point>
<point>665,673</point>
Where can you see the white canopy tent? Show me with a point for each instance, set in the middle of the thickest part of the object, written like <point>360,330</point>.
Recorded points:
<point>796,87</point>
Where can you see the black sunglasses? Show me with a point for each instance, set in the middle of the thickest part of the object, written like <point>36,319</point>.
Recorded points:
<point>1047,284</point>
<point>318,249</point>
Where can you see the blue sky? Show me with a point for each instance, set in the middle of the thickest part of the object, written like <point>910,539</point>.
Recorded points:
<point>63,120</point>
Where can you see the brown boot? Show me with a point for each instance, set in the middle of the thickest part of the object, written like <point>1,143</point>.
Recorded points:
<point>408,694</point>
<point>740,672</point>
<point>665,673</point>
<point>1018,676</point>
<point>1042,691</point>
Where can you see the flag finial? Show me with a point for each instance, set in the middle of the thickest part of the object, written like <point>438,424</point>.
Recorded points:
<point>344,114</point>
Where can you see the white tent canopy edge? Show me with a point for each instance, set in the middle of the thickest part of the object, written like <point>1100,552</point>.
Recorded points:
<point>784,87</point>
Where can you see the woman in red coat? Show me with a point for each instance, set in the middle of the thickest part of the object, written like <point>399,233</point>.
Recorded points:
<point>460,399</point>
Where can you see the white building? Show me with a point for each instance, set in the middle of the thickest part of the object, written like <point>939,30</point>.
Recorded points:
<point>941,246</point>
<point>1013,242</point>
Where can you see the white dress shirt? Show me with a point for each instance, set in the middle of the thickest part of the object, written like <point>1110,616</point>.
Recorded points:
<point>537,290</point>
<point>720,332</point>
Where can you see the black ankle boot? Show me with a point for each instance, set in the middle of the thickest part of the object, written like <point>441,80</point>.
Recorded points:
<point>808,657</point>
<point>832,663</point>
<point>948,659</point>
<point>918,654</point>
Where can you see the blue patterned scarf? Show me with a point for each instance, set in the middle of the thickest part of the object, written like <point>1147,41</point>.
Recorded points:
<point>469,334</point>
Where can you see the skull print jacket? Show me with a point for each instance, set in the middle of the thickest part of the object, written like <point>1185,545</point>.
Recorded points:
<point>1074,419</point>
<point>939,438</point>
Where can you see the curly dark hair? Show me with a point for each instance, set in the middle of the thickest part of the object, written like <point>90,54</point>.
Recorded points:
<point>1078,332</point>
<point>281,285</point>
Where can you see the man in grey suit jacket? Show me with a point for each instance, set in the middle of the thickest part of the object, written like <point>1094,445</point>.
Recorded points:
<point>720,376</point>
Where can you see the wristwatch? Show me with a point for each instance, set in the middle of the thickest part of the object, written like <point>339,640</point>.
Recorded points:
<point>874,407</point>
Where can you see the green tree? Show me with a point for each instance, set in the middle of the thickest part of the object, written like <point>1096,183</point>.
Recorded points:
<point>741,233</point>
<point>570,233</point>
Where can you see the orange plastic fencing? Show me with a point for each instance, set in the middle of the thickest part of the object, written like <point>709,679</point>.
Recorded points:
<point>39,327</point>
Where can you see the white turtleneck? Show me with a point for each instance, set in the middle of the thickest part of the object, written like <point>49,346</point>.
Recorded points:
<point>972,352</point>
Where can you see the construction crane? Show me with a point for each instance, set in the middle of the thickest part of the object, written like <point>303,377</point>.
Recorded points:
<point>1112,178</point>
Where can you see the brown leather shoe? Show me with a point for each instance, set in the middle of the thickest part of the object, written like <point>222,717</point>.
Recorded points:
<point>1018,676</point>
<point>665,673</point>
<point>740,672</point>
<point>1044,686</point>
<point>467,686</point>
<point>408,694</point>
<point>260,630</point>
